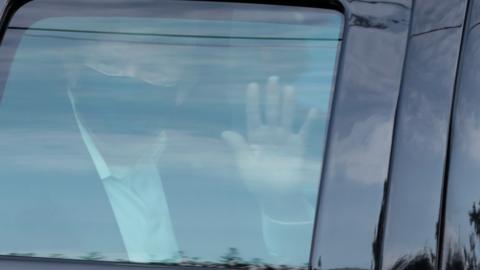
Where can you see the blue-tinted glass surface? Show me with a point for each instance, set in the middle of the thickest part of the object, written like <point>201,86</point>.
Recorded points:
<point>194,136</point>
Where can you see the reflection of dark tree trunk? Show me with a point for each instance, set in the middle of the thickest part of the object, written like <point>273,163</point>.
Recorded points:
<point>474,217</point>
<point>455,259</point>
<point>470,255</point>
<point>424,260</point>
<point>462,257</point>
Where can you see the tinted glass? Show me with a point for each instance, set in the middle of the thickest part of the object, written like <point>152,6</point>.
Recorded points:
<point>164,132</point>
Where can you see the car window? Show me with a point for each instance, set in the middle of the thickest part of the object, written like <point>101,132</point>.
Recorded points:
<point>172,132</point>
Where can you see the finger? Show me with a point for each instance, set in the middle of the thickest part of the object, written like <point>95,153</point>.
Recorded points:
<point>253,107</point>
<point>288,107</point>
<point>160,145</point>
<point>272,101</point>
<point>307,125</point>
<point>237,143</point>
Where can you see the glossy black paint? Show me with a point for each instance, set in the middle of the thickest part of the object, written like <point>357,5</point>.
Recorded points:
<point>420,145</point>
<point>462,220</point>
<point>389,120</point>
<point>360,134</point>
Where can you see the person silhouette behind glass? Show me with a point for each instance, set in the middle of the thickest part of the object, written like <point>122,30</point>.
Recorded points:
<point>124,98</point>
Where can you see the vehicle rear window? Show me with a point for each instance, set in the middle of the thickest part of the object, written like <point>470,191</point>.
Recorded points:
<point>164,132</point>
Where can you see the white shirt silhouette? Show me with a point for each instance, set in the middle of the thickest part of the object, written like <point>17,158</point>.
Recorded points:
<point>138,201</point>
<point>139,204</point>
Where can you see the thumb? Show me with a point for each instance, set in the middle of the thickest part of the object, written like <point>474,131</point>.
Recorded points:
<point>237,143</point>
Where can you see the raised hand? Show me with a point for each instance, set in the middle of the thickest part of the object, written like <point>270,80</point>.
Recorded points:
<point>271,158</point>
